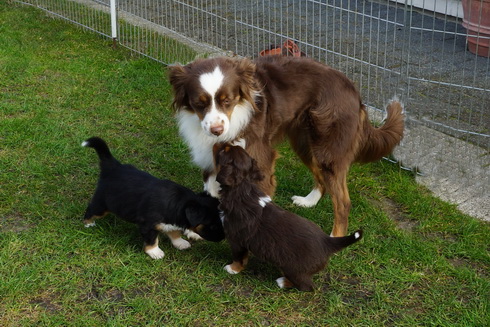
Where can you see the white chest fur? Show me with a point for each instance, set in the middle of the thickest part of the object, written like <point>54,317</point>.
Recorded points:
<point>201,143</point>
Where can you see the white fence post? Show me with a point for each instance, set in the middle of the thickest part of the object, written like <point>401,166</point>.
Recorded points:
<point>114,23</point>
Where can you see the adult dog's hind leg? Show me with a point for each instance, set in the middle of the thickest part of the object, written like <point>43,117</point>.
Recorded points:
<point>329,177</point>
<point>316,193</point>
<point>336,184</point>
<point>300,143</point>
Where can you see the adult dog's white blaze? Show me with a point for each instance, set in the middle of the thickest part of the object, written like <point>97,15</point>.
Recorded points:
<point>211,82</point>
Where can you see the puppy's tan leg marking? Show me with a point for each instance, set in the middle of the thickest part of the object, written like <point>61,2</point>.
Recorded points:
<point>193,235</point>
<point>91,221</point>
<point>177,241</point>
<point>154,251</point>
<point>234,268</point>
<point>237,266</point>
<point>283,282</point>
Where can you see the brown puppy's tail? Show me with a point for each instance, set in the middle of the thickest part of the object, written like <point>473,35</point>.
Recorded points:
<point>335,244</point>
<point>379,142</point>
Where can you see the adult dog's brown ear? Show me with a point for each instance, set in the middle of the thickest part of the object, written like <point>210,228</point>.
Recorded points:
<point>178,77</point>
<point>246,70</point>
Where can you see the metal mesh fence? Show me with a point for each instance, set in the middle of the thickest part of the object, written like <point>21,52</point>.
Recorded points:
<point>385,47</point>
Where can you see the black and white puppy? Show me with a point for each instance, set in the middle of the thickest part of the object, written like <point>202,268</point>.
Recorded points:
<point>155,205</point>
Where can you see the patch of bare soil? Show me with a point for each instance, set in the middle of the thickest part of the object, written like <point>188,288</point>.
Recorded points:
<point>478,267</point>
<point>15,224</point>
<point>395,213</point>
<point>47,302</point>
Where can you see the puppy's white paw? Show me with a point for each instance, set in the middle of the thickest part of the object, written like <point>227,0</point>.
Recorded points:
<point>281,282</point>
<point>181,244</point>
<point>192,235</point>
<point>230,270</point>
<point>155,253</point>
<point>90,225</point>
<point>308,201</point>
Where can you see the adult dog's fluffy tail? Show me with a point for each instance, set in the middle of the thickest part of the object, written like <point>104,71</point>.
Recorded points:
<point>379,142</point>
<point>335,244</point>
<point>102,150</point>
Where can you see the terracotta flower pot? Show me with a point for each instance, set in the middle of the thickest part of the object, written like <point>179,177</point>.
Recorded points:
<point>476,19</point>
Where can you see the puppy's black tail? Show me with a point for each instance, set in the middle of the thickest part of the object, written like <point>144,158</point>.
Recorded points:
<point>336,244</point>
<point>101,148</point>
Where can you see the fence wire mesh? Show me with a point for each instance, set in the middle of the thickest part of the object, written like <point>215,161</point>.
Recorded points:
<point>385,47</point>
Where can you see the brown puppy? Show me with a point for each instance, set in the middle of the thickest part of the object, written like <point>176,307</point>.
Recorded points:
<point>253,223</point>
<point>269,99</point>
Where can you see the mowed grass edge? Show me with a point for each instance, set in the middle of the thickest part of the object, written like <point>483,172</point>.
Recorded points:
<point>421,261</point>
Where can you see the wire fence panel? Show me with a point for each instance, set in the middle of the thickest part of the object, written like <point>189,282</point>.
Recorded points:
<point>159,29</point>
<point>385,47</point>
<point>92,15</point>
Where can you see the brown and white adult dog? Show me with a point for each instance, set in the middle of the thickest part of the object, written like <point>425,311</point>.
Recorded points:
<point>259,103</point>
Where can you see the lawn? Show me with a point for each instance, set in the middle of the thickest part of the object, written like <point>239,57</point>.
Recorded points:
<point>421,261</point>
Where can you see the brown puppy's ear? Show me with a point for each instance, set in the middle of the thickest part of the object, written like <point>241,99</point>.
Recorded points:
<point>217,148</point>
<point>255,173</point>
<point>243,164</point>
<point>178,77</point>
<point>227,176</point>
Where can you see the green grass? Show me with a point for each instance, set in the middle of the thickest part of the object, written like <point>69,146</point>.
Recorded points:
<point>421,262</point>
